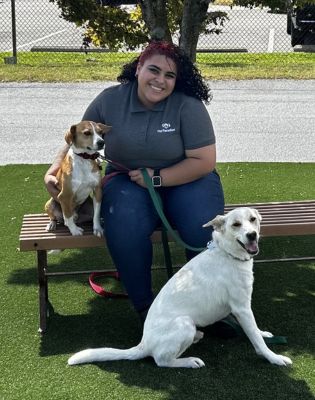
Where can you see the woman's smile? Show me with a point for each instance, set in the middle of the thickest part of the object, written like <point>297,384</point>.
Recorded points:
<point>156,79</point>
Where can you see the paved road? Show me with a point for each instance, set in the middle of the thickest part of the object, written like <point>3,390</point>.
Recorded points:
<point>258,120</point>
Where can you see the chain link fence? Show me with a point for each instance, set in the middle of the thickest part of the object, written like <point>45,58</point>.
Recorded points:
<point>39,27</point>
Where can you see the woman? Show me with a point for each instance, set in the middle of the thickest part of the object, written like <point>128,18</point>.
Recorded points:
<point>159,122</point>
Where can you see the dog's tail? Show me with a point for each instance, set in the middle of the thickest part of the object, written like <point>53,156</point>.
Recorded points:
<point>107,354</point>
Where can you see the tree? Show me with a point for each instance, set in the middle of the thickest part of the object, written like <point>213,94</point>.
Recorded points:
<point>109,24</point>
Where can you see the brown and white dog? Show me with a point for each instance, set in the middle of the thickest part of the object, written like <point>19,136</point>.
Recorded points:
<point>78,177</point>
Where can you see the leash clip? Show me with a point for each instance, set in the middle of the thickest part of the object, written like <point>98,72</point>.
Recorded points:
<point>211,245</point>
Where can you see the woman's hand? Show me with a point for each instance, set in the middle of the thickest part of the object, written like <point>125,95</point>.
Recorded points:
<point>51,184</point>
<point>198,163</point>
<point>50,180</point>
<point>137,177</point>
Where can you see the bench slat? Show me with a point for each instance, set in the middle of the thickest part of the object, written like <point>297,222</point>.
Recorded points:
<point>33,236</point>
<point>278,219</point>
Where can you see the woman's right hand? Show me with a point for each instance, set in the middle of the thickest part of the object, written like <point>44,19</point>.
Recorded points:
<point>50,180</point>
<point>51,183</point>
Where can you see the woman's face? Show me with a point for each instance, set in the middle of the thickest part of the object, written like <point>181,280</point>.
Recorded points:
<point>156,79</point>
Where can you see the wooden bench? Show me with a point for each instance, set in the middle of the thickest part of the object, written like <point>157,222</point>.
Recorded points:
<point>278,219</point>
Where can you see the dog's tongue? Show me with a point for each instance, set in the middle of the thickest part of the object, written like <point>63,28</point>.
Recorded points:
<point>252,247</point>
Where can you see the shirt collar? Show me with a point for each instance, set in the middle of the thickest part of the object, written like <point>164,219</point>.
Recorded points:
<point>137,106</point>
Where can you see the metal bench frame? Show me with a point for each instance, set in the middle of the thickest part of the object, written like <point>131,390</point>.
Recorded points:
<point>278,219</point>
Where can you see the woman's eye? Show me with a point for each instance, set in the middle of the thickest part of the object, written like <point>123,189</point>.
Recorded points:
<point>170,76</point>
<point>153,70</point>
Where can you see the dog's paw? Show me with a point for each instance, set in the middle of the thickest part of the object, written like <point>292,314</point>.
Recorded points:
<point>266,334</point>
<point>186,362</point>
<point>278,359</point>
<point>98,231</point>
<point>51,226</point>
<point>76,231</point>
<point>195,362</point>
<point>54,252</point>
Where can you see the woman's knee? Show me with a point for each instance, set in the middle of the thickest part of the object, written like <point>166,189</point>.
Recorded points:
<point>192,205</point>
<point>127,208</point>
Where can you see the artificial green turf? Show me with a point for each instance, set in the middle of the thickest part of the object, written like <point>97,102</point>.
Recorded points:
<point>36,368</point>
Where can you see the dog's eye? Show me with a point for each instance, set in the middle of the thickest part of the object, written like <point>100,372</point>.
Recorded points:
<point>87,133</point>
<point>237,224</point>
<point>252,219</point>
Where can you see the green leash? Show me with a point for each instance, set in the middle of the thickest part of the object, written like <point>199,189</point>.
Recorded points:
<point>232,322</point>
<point>158,206</point>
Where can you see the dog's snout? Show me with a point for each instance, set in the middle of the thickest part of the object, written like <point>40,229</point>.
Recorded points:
<point>252,236</point>
<point>100,143</point>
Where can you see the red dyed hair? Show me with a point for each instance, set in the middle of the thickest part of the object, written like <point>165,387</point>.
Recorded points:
<point>188,78</point>
<point>163,48</point>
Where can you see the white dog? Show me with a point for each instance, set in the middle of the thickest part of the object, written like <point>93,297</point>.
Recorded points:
<point>215,283</point>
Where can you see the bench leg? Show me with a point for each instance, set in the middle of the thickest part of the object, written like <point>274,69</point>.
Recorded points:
<point>167,254</point>
<point>43,289</point>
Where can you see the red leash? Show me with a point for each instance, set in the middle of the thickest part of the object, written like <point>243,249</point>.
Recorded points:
<point>111,274</point>
<point>100,290</point>
<point>107,177</point>
<point>120,169</point>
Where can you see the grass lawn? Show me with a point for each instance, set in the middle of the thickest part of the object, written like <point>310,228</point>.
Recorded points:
<point>71,67</point>
<point>34,367</point>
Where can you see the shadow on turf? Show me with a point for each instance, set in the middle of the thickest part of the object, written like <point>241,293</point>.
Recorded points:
<point>280,290</point>
<point>229,363</point>
<point>283,289</point>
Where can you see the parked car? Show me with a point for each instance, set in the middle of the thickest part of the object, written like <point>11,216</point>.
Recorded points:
<point>301,23</point>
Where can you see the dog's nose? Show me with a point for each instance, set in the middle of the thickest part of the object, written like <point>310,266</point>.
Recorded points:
<point>100,143</point>
<point>252,236</point>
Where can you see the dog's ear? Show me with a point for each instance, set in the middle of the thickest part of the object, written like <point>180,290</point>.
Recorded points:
<point>217,223</point>
<point>102,128</point>
<point>70,135</point>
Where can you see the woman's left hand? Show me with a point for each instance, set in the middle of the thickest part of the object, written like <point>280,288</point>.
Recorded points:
<point>137,177</point>
<point>197,163</point>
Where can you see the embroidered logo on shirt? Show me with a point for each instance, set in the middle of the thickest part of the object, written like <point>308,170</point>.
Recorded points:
<point>166,128</point>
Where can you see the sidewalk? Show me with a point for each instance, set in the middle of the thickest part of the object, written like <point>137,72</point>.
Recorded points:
<point>259,120</point>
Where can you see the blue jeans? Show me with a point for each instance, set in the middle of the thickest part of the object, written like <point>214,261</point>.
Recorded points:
<point>130,218</point>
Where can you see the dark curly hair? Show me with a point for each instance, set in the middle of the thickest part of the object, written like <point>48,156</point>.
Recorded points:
<point>188,79</point>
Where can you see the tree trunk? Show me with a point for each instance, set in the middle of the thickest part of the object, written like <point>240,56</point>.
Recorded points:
<point>155,16</point>
<point>194,14</point>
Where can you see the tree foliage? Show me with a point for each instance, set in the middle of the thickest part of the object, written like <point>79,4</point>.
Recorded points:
<point>116,27</point>
<point>105,26</point>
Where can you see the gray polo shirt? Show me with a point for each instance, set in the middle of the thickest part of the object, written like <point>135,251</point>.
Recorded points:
<point>155,138</point>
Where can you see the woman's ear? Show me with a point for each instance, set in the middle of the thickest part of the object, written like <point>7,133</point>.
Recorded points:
<point>138,69</point>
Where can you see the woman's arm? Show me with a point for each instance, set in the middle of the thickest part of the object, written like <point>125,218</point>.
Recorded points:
<point>50,179</point>
<point>198,162</point>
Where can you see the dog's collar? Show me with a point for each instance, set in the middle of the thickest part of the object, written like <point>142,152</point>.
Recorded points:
<point>238,258</point>
<point>211,246</point>
<point>88,156</point>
